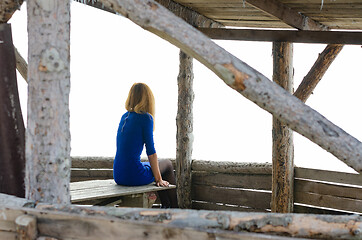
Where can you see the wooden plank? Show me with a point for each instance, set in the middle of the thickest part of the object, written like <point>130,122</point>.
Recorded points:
<point>328,176</point>
<point>234,196</point>
<point>315,210</point>
<point>21,65</point>
<point>222,207</point>
<point>328,201</point>
<point>282,137</point>
<point>249,181</point>
<point>328,189</point>
<point>90,190</point>
<point>231,167</point>
<point>335,37</point>
<point>8,235</point>
<point>92,162</point>
<point>6,225</point>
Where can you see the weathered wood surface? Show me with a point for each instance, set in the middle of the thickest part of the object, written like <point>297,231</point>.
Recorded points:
<point>233,180</point>
<point>7,9</point>
<point>282,136</point>
<point>103,189</point>
<point>12,130</point>
<point>126,223</point>
<point>328,176</point>
<point>184,136</point>
<point>244,79</point>
<point>48,136</point>
<point>21,65</point>
<point>318,70</point>
<point>331,37</point>
<point>288,15</point>
<point>26,227</point>
<point>201,205</point>
<point>232,167</point>
<point>240,197</point>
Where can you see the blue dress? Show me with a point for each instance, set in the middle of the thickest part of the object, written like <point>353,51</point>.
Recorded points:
<point>135,130</point>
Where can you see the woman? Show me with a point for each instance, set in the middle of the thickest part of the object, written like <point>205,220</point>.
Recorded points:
<point>136,130</point>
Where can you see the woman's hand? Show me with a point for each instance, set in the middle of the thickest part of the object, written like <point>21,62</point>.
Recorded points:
<point>162,183</point>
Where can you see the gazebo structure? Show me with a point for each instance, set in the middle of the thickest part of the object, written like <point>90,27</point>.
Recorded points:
<point>188,24</point>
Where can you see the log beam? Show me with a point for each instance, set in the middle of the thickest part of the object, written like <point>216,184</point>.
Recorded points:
<point>48,137</point>
<point>12,130</point>
<point>288,15</point>
<point>126,223</point>
<point>283,146</point>
<point>333,37</point>
<point>310,81</point>
<point>184,137</point>
<point>7,9</point>
<point>243,79</point>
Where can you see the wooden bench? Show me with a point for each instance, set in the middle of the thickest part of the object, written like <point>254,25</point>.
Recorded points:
<point>107,192</point>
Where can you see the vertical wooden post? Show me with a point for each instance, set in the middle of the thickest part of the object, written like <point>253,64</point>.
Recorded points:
<point>184,138</point>
<point>12,130</point>
<point>48,136</point>
<point>283,148</point>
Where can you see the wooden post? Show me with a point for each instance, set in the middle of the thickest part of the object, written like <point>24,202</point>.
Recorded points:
<point>184,137</point>
<point>283,148</point>
<point>48,136</point>
<point>12,130</point>
<point>26,227</point>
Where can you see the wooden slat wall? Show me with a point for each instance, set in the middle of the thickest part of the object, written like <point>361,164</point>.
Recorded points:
<point>247,186</point>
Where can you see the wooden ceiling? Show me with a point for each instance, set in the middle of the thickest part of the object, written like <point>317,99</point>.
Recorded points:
<point>335,14</point>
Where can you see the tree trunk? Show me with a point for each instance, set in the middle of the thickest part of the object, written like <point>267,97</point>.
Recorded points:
<point>244,79</point>
<point>184,122</point>
<point>283,147</point>
<point>48,136</point>
<point>12,130</point>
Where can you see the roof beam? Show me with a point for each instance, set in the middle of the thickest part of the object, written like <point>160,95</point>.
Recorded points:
<point>179,10</point>
<point>334,37</point>
<point>288,15</point>
<point>7,9</point>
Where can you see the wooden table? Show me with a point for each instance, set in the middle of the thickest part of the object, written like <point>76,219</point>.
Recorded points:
<point>107,192</point>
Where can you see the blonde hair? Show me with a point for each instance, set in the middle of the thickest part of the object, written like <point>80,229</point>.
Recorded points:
<point>140,99</point>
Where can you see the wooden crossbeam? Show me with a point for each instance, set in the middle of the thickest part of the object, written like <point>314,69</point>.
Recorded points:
<point>332,37</point>
<point>288,15</point>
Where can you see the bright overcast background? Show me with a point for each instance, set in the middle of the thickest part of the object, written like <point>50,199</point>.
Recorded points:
<point>109,53</point>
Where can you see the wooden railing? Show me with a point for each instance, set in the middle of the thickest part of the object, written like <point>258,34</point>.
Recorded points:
<point>247,186</point>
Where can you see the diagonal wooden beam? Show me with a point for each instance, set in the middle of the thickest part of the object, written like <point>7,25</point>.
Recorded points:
<point>288,15</point>
<point>318,70</point>
<point>21,65</point>
<point>7,9</point>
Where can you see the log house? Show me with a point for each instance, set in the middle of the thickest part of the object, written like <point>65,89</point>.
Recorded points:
<point>153,16</point>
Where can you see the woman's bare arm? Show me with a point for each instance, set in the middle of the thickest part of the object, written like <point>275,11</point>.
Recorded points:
<point>156,171</point>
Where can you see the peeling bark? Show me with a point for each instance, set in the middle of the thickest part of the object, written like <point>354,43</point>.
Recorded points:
<point>48,137</point>
<point>256,87</point>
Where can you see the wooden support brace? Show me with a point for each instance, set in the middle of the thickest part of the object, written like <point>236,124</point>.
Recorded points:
<point>283,146</point>
<point>21,65</point>
<point>48,136</point>
<point>184,138</point>
<point>7,9</point>
<point>243,79</point>
<point>318,70</point>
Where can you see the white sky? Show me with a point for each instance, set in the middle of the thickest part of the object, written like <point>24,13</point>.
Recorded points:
<point>109,53</point>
